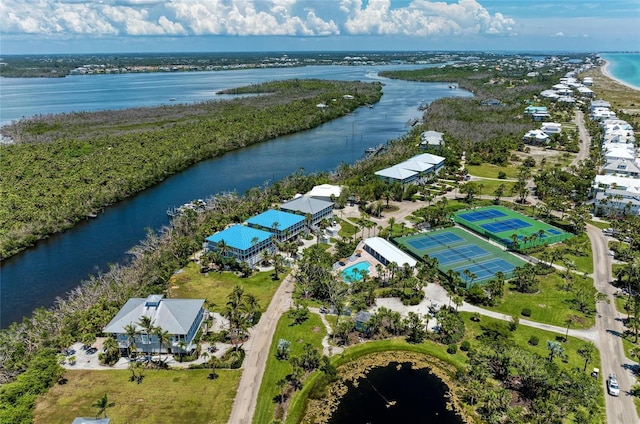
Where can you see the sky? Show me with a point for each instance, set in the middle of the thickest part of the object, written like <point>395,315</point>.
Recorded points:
<point>150,26</point>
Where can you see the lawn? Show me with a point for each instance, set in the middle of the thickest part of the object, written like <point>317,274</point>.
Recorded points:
<point>216,286</point>
<point>311,331</point>
<point>522,335</point>
<point>347,229</point>
<point>487,170</point>
<point>551,304</point>
<point>180,396</point>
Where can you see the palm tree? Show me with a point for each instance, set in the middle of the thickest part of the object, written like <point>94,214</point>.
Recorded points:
<point>391,221</point>
<point>102,404</point>
<point>163,338</point>
<point>587,351</point>
<point>110,348</point>
<point>131,331</point>
<point>555,349</point>
<point>182,345</point>
<point>147,324</point>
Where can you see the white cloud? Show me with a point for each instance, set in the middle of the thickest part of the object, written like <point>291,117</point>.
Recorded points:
<point>423,18</point>
<point>558,34</point>
<point>418,18</point>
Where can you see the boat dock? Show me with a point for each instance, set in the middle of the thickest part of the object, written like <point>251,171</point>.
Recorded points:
<point>373,151</point>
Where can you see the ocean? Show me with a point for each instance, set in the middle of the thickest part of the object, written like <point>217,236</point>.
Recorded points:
<point>624,67</point>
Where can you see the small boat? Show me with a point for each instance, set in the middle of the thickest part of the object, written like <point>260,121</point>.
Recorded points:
<point>172,99</point>
<point>198,206</point>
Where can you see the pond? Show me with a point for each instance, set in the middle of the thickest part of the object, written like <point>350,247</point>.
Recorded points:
<point>396,393</point>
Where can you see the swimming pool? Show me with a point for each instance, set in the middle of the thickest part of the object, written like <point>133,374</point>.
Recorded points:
<point>352,273</point>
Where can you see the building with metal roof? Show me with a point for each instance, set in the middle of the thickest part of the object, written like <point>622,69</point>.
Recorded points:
<point>325,192</point>
<point>284,225</point>
<point>181,318</point>
<point>316,208</point>
<point>386,253</point>
<point>244,244</point>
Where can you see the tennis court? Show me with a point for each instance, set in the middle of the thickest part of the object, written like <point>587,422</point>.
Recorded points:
<point>457,254</point>
<point>458,250</point>
<point>487,269</point>
<point>509,228</point>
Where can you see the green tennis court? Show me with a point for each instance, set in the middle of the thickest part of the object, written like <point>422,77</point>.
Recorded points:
<point>472,258</point>
<point>509,228</point>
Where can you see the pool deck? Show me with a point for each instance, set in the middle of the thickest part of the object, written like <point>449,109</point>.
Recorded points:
<point>360,257</point>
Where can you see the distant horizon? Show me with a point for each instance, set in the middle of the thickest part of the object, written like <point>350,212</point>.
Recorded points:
<point>423,51</point>
<point>155,26</point>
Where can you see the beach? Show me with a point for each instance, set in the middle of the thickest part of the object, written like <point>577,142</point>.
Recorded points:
<point>606,71</point>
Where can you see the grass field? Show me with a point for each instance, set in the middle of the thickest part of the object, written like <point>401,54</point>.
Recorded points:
<point>487,170</point>
<point>311,331</point>
<point>216,286</point>
<point>179,396</point>
<point>551,304</point>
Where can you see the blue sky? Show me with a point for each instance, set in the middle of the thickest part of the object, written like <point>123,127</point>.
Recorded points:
<point>121,26</point>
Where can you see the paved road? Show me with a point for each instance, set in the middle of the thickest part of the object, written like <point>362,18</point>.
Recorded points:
<point>620,410</point>
<point>257,351</point>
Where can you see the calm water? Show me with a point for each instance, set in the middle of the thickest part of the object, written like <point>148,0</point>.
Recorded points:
<point>625,67</point>
<point>391,395</point>
<point>39,275</point>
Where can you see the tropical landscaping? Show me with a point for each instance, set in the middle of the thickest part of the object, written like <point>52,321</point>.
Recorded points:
<point>497,370</point>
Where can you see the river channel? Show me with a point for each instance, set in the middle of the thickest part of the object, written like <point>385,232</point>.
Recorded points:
<point>54,266</point>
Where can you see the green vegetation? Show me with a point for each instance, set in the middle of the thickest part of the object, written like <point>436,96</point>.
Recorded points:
<point>217,286</point>
<point>162,396</point>
<point>64,167</point>
<point>309,331</point>
<point>554,302</point>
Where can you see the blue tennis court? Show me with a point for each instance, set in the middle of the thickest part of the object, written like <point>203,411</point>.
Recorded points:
<point>486,269</point>
<point>460,253</point>
<point>482,215</point>
<point>553,231</point>
<point>506,225</point>
<point>429,241</point>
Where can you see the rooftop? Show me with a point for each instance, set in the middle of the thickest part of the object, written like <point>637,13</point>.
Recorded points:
<point>390,252</point>
<point>306,205</point>
<point>240,237</point>
<point>282,220</point>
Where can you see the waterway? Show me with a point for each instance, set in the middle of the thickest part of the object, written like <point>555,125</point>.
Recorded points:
<point>396,393</point>
<point>54,266</point>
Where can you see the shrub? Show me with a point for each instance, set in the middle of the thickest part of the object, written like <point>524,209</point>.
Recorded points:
<point>465,346</point>
<point>533,341</point>
<point>452,348</point>
<point>526,312</point>
<point>502,175</point>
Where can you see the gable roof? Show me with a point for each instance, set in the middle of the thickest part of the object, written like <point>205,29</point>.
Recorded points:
<point>429,158</point>
<point>239,236</point>
<point>325,190</point>
<point>306,205</point>
<point>268,218</point>
<point>396,172</point>
<point>173,315</point>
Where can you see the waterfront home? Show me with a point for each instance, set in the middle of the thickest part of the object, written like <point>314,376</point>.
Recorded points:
<point>397,173</point>
<point>431,138</point>
<point>385,252</point>
<point>326,192</point>
<point>540,116</point>
<point>604,182</point>
<point>536,137</point>
<point>315,209</point>
<point>244,244</point>
<point>412,169</point>
<point>283,225</point>
<point>596,104</point>
<point>181,318</point>
<point>585,92</point>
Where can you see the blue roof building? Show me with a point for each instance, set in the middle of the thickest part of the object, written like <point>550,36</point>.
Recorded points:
<point>284,225</point>
<point>243,243</point>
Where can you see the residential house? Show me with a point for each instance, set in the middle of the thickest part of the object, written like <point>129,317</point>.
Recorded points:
<point>326,192</point>
<point>431,138</point>
<point>536,137</point>
<point>283,225</point>
<point>315,209</point>
<point>616,202</point>
<point>551,128</point>
<point>622,167</point>
<point>181,318</point>
<point>244,244</point>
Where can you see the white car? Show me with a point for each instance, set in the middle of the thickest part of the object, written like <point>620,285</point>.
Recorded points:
<point>612,385</point>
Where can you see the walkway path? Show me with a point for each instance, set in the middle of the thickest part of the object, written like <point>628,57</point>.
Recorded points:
<point>257,351</point>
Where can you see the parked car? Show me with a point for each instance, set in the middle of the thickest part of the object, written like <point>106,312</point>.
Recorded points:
<point>612,385</point>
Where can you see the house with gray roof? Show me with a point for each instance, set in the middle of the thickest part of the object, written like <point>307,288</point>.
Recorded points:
<point>308,206</point>
<point>621,167</point>
<point>181,318</point>
<point>243,243</point>
<point>431,138</point>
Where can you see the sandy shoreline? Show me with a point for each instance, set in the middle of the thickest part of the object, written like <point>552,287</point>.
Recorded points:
<point>604,70</point>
